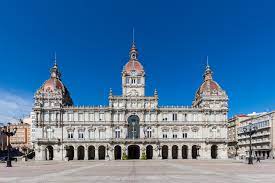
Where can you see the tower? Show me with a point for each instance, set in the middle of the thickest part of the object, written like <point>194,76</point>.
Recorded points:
<point>133,75</point>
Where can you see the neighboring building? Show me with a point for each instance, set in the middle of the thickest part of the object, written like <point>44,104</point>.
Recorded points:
<point>22,137</point>
<point>3,139</point>
<point>232,132</point>
<point>263,141</point>
<point>132,125</point>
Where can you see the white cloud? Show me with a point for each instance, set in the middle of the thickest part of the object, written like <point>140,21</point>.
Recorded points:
<point>14,106</point>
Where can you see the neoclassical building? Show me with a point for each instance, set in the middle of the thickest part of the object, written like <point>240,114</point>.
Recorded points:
<point>133,125</point>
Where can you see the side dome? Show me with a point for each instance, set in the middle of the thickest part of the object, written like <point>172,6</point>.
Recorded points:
<point>53,87</point>
<point>209,89</point>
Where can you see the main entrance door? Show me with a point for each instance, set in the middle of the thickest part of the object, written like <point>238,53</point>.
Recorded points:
<point>133,129</point>
<point>133,152</point>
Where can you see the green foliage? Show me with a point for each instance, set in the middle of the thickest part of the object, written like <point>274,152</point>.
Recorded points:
<point>143,156</point>
<point>124,156</point>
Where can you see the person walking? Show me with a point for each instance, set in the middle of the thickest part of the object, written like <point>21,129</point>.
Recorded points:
<point>258,159</point>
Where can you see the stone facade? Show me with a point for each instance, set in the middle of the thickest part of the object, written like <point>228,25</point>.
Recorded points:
<point>133,125</point>
<point>263,141</point>
<point>233,124</point>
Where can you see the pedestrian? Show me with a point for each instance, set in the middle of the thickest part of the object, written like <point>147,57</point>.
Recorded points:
<point>258,159</point>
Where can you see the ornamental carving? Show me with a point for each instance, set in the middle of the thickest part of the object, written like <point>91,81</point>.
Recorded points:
<point>165,129</point>
<point>70,128</point>
<point>185,129</point>
<point>102,128</point>
<point>175,129</point>
<point>91,128</point>
<point>81,128</point>
<point>195,129</point>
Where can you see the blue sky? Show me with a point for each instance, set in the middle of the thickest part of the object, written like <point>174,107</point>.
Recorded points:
<point>92,40</point>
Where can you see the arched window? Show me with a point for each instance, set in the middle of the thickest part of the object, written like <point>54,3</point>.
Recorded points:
<point>70,134</point>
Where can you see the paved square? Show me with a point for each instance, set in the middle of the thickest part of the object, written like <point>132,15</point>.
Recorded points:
<point>139,171</point>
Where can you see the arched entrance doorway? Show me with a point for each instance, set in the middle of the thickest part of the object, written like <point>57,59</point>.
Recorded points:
<point>174,152</point>
<point>214,151</point>
<point>70,152</point>
<point>117,152</point>
<point>91,153</point>
<point>164,152</point>
<point>80,153</point>
<point>101,152</point>
<point>149,152</point>
<point>49,153</point>
<point>133,152</point>
<point>194,152</point>
<point>133,129</point>
<point>184,152</point>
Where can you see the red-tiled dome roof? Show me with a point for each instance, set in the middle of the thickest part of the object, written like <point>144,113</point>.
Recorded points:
<point>53,84</point>
<point>134,65</point>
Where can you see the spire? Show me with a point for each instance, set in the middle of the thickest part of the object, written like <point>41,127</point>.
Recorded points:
<point>133,50</point>
<point>54,59</point>
<point>54,70</point>
<point>133,43</point>
<point>208,72</point>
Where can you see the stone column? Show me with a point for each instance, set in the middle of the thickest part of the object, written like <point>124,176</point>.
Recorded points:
<point>179,152</point>
<point>86,154</point>
<point>75,153</point>
<point>189,156</point>
<point>169,152</point>
<point>96,153</point>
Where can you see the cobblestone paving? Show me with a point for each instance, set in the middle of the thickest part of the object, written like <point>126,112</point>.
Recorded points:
<point>156,171</point>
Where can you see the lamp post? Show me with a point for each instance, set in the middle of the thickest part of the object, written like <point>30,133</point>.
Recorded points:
<point>236,148</point>
<point>250,130</point>
<point>6,131</point>
<point>107,151</point>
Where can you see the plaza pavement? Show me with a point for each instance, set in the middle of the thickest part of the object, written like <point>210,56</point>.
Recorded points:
<point>153,171</point>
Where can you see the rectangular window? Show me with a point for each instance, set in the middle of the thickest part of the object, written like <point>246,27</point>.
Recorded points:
<point>184,135</point>
<point>175,117</point>
<point>164,136</point>
<point>92,134</point>
<point>138,81</point>
<point>127,80</point>
<point>70,135</point>
<point>117,134</point>
<point>80,117</point>
<point>81,135</point>
<point>70,117</point>
<point>175,136</point>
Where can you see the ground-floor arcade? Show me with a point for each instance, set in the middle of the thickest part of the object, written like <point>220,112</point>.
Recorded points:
<point>107,151</point>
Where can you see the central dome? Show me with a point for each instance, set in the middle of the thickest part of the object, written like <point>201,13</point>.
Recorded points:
<point>133,65</point>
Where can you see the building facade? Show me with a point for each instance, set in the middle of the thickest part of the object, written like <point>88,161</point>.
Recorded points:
<point>22,138</point>
<point>133,125</point>
<point>3,139</point>
<point>232,134</point>
<point>263,141</point>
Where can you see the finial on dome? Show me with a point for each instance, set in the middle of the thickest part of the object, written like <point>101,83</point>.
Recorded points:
<point>110,92</point>
<point>133,43</point>
<point>208,72</point>
<point>156,92</point>
<point>54,59</point>
<point>54,70</point>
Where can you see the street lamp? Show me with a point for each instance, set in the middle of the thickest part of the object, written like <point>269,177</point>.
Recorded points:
<point>107,151</point>
<point>236,148</point>
<point>250,130</point>
<point>6,131</point>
